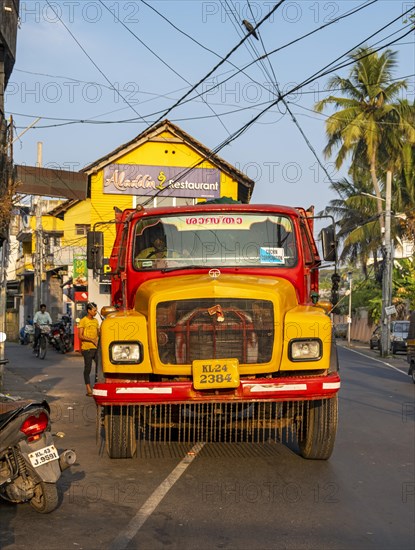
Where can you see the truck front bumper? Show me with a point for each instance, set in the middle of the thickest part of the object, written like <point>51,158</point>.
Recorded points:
<point>304,388</point>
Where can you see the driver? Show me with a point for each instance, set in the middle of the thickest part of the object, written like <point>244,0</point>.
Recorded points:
<point>157,250</point>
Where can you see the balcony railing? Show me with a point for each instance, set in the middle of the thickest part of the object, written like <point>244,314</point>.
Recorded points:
<point>59,257</point>
<point>24,264</point>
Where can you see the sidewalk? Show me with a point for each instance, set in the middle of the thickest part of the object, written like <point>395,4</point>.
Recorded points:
<point>16,379</point>
<point>397,360</point>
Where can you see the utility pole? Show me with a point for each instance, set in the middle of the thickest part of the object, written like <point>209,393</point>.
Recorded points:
<point>349,318</point>
<point>38,259</point>
<point>6,148</point>
<point>387,271</point>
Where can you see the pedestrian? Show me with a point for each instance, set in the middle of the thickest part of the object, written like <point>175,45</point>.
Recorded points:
<point>40,319</point>
<point>89,335</point>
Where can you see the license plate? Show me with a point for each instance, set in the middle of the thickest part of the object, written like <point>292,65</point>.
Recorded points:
<point>43,456</point>
<point>215,374</point>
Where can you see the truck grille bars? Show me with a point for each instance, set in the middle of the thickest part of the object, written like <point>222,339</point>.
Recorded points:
<point>215,328</point>
<point>256,422</point>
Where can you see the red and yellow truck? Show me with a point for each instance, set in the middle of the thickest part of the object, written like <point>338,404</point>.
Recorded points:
<point>215,332</point>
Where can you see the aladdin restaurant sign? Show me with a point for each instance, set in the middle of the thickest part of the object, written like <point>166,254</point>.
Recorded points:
<point>140,179</point>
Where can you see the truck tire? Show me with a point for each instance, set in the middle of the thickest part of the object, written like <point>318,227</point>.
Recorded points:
<point>120,436</point>
<point>45,499</point>
<point>318,430</point>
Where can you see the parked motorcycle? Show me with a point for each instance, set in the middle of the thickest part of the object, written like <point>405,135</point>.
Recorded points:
<point>27,334</point>
<point>30,464</point>
<point>59,336</point>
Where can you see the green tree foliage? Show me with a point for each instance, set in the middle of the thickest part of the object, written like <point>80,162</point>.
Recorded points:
<point>373,127</point>
<point>370,123</point>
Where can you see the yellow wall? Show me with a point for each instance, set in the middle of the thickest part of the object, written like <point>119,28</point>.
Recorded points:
<point>78,214</point>
<point>49,223</point>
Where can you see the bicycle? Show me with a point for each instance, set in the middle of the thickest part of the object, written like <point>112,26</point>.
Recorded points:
<point>42,345</point>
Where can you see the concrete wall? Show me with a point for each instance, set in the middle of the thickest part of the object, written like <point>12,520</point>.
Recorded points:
<point>360,328</point>
<point>12,325</point>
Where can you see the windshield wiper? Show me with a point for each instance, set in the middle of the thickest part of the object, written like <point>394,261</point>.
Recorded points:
<point>177,268</point>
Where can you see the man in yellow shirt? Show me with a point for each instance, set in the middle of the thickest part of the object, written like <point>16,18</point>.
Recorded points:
<point>89,335</point>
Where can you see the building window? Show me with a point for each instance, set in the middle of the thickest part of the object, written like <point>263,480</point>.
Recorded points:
<point>81,229</point>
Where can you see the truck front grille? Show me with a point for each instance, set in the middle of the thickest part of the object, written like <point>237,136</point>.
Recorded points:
<point>215,328</point>
<point>191,423</point>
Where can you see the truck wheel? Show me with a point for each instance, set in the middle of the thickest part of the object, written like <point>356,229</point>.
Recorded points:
<point>318,430</point>
<point>45,499</point>
<point>120,432</point>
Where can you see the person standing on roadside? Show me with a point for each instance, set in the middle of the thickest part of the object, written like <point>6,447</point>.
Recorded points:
<point>89,335</point>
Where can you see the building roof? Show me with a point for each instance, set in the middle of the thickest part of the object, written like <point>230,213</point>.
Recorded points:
<point>245,184</point>
<point>60,210</point>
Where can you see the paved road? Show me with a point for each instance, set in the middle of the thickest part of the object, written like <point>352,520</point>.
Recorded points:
<point>228,496</point>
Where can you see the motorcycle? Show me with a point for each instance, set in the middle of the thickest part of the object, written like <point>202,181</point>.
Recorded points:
<point>27,334</point>
<point>59,336</point>
<point>30,464</point>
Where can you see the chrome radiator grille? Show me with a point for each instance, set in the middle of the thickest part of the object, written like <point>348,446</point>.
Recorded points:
<point>215,328</point>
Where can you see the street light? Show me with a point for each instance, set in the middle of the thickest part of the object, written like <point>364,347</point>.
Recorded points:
<point>349,319</point>
<point>371,196</point>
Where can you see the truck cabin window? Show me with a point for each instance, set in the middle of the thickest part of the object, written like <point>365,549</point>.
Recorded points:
<point>214,240</point>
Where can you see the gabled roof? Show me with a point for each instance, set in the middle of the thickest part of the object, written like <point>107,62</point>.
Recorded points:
<point>60,210</point>
<point>246,184</point>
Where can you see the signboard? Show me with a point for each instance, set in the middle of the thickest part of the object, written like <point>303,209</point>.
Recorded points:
<point>52,182</point>
<point>105,277</point>
<point>390,310</point>
<point>80,272</point>
<point>172,181</point>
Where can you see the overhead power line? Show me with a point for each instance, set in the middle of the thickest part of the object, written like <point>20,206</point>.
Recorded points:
<point>221,62</point>
<point>347,14</point>
<point>93,62</point>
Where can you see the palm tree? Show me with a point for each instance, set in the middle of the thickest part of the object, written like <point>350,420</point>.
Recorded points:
<point>357,220</point>
<point>370,123</point>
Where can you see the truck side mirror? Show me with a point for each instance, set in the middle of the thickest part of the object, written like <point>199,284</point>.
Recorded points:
<point>328,243</point>
<point>95,250</point>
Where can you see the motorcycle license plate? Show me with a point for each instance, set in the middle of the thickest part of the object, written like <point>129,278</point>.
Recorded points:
<point>43,456</point>
<point>215,374</point>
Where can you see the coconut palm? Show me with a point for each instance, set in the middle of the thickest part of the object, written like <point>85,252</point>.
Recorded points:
<point>370,123</point>
<point>357,221</point>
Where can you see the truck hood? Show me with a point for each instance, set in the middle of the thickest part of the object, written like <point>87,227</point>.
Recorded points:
<point>280,291</point>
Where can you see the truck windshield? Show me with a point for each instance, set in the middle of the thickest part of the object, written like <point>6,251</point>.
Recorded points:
<point>214,239</point>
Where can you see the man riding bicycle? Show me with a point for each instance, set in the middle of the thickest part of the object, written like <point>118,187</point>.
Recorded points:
<point>41,317</point>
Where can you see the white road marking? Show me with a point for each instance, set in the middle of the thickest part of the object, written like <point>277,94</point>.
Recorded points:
<point>378,361</point>
<point>121,542</point>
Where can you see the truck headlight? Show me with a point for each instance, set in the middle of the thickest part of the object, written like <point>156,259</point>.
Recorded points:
<point>126,352</point>
<point>305,349</point>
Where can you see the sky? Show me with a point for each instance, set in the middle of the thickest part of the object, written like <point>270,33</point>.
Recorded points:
<point>96,74</point>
